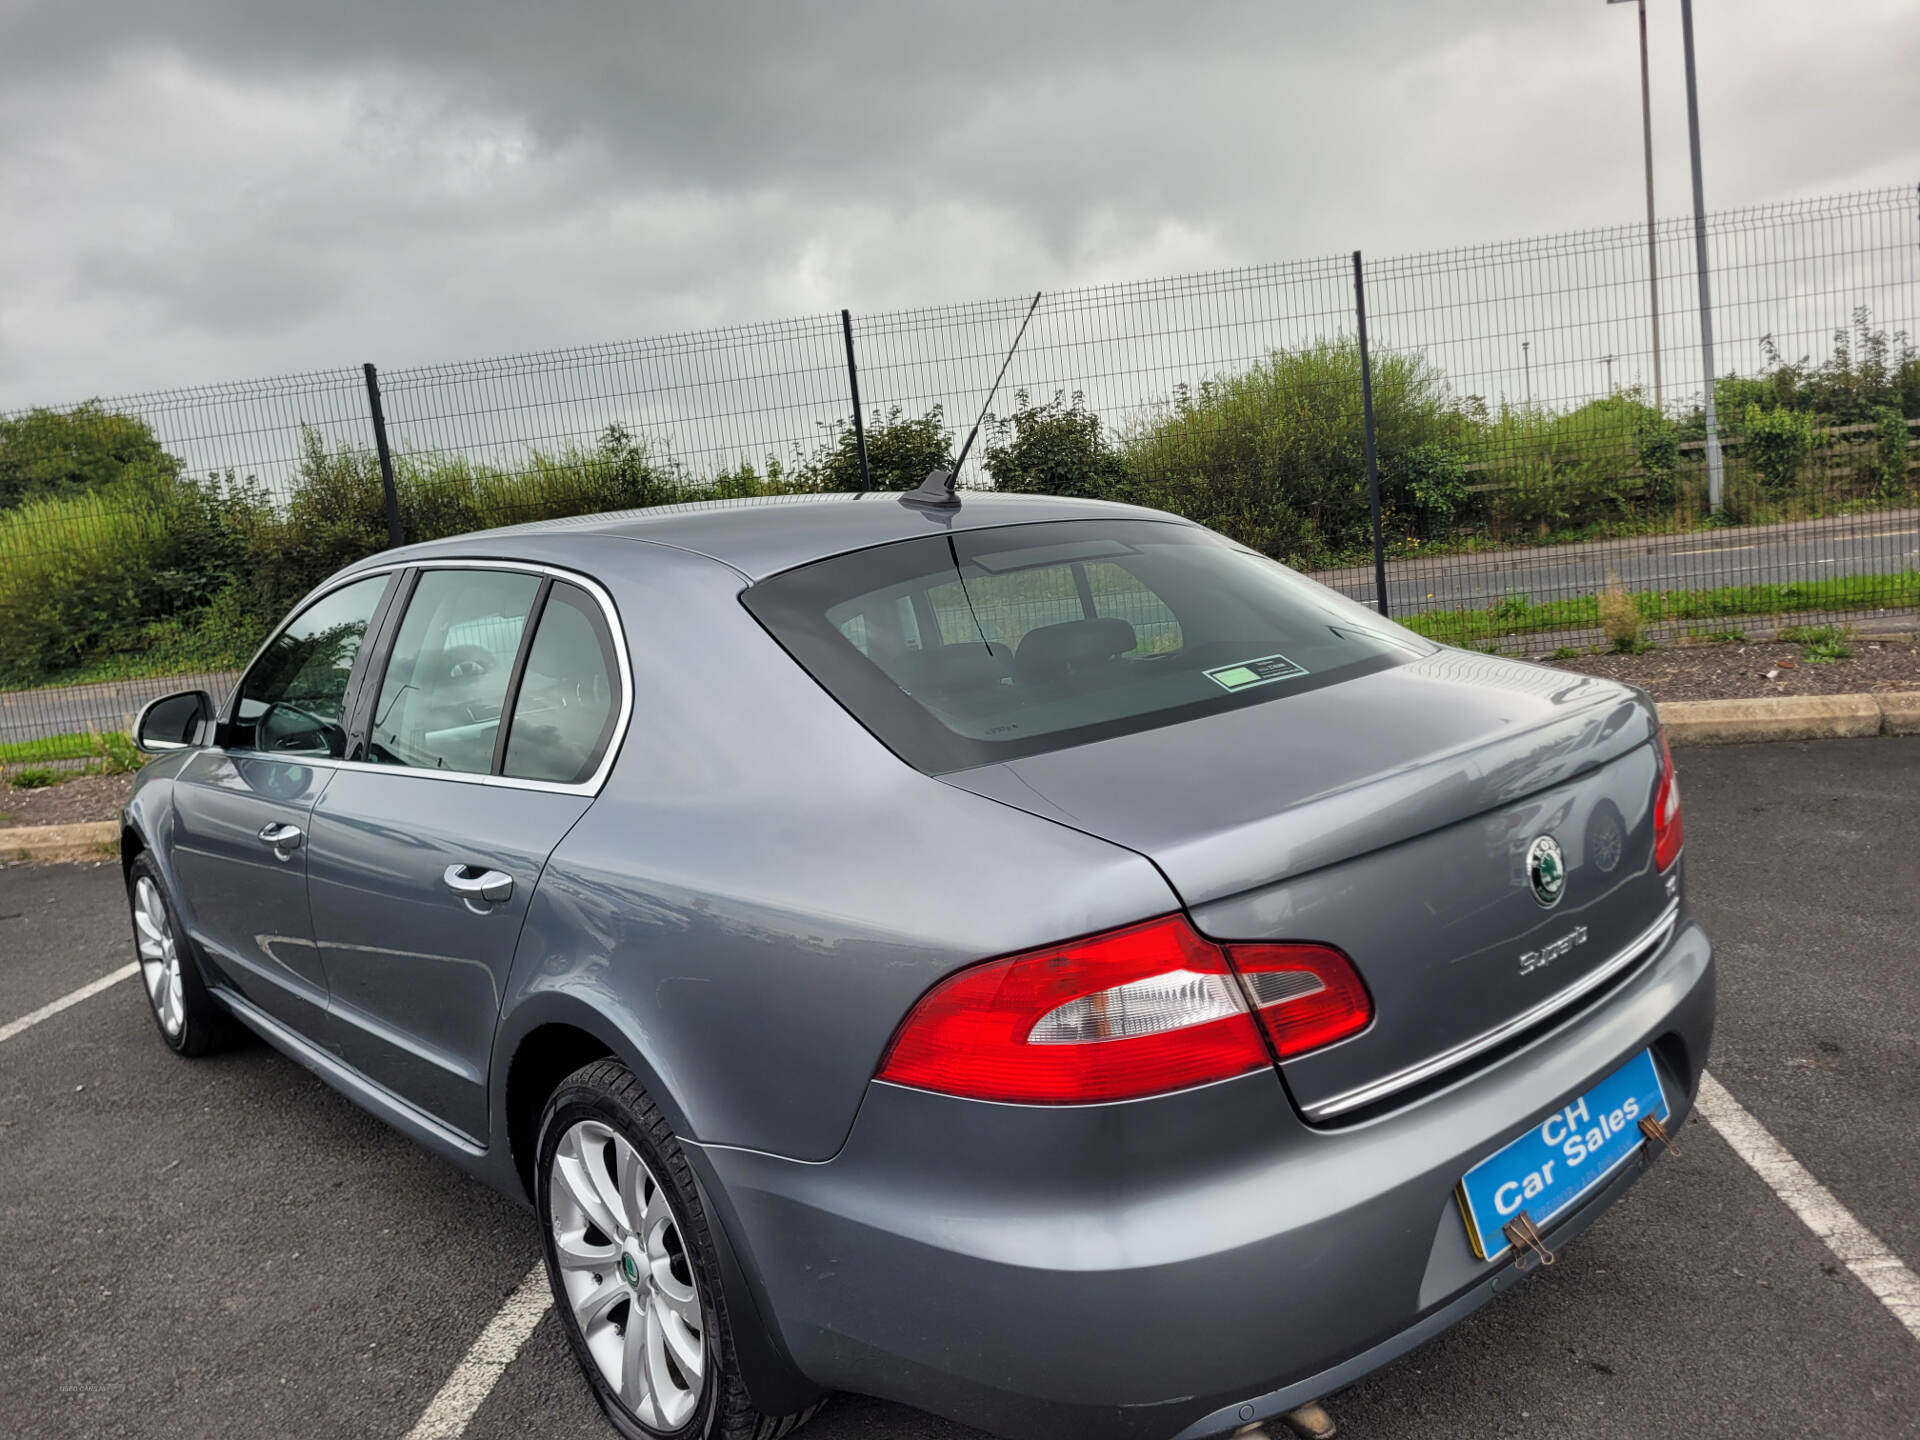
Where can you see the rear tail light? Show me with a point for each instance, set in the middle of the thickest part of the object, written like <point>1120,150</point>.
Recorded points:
<point>1669,834</point>
<point>1140,1011</point>
<point>1305,995</point>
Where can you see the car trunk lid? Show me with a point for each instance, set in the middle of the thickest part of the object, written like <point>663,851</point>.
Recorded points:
<point>1391,817</point>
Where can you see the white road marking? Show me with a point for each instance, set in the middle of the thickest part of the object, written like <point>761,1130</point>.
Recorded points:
<point>448,1413</point>
<point>47,1012</point>
<point>1855,1246</point>
<point>1716,550</point>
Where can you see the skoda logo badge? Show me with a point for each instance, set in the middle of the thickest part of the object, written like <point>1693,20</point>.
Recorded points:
<point>1546,870</point>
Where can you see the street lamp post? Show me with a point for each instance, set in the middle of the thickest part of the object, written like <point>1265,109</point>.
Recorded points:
<point>1653,249</point>
<point>1714,474</point>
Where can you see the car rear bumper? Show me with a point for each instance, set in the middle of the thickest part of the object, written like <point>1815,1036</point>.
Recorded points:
<point>1170,1267</point>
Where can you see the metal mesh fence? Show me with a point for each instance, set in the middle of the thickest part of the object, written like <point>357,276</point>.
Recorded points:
<point>1527,465</point>
<point>1576,471</point>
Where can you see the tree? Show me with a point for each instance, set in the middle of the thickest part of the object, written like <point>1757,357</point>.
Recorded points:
<point>46,454</point>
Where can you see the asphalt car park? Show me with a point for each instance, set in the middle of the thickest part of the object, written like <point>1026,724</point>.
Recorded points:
<point>227,1247</point>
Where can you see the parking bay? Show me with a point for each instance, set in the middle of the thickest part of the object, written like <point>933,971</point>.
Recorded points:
<point>228,1247</point>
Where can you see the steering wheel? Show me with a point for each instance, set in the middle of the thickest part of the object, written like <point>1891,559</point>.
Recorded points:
<point>320,735</point>
<point>467,662</point>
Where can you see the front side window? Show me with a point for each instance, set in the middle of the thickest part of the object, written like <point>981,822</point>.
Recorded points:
<point>293,700</point>
<point>445,688</point>
<point>564,713</point>
<point>992,644</point>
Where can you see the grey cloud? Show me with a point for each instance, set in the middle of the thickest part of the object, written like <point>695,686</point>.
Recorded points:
<point>240,188</point>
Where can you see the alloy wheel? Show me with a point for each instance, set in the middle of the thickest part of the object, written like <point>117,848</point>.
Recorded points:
<point>159,956</point>
<point>628,1278</point>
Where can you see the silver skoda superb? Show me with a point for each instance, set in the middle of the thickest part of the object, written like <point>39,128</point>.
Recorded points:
<point>1031,959</point>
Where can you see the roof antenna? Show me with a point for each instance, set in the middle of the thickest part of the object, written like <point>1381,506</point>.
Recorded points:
<point>938,487</point>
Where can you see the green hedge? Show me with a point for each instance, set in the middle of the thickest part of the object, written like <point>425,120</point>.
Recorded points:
<point>114,562</point>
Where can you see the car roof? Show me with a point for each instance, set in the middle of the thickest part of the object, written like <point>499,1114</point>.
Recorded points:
<point>763,536</point>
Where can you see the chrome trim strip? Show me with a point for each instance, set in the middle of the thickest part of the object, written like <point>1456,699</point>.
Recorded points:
<point>398,1110</point>
<point>1649,940</point>
<point>590,786</point>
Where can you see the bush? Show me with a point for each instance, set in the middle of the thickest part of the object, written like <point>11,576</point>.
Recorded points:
<point>1620,618</point>
<point>900,453</point>
<point>336,512</point>
<point>1867,370</point>
<point>1735,395</point>
<point>1275,456</point>
<point>1777,442</point>
<point>87,572</point>
<point>1889,464</point>
<point>1744,499</point>
<point>1591,466</point>
<point>1659,446</point>
<point>1824,643</point>
<point>1434,480</point>
<point>1055,449</point>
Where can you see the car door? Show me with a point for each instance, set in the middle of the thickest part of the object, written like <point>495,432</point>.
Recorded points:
<point>241,807</point>
<point>482,745</point>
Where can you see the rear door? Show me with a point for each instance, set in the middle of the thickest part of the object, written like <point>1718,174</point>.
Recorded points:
<point>242,808</point>
<point>482,744</point>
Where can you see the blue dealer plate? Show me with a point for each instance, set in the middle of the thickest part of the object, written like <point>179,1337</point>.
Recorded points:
<point>1562,1158</point>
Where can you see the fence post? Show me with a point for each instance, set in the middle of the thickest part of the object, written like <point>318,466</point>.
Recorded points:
<point>394,538</point>
<point>1373,459</point>
<point>853,385</point>
<point>1714,464</point>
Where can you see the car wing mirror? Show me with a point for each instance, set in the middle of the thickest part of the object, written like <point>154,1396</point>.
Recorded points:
<point>181,721</point>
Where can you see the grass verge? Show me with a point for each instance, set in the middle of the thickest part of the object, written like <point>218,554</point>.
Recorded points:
<point>111,754</point>
<point>1517,615</point>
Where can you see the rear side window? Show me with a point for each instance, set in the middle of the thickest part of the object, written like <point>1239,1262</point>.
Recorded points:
<point>564,715</point>
<point>986,645</point>
<point>447,677</point>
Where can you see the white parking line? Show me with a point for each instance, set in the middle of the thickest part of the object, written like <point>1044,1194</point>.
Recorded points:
<point>1856,1247</point>
<point>447,1415</point>
<point>47,1012</point>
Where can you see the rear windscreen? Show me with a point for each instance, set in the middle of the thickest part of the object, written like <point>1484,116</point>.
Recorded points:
<point>982,645</point>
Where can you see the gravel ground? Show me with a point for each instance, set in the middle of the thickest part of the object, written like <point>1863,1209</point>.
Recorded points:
<point>90,797</point>
<point>1738,672</point>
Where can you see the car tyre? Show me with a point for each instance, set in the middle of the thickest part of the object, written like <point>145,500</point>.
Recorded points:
<point>627,1242</point>
<point>189,1019</point>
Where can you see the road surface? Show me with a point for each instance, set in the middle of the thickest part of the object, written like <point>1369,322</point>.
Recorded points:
<point>1883,542</point>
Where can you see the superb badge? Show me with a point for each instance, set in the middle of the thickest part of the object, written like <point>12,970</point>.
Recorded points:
<point>1546,870</point>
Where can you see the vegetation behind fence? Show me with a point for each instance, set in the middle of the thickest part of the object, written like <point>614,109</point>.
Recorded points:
<point>159,534</point>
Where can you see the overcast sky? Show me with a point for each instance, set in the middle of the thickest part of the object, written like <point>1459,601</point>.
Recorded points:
<point>215,190</point>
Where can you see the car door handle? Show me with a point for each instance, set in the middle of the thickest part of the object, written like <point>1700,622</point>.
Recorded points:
<point>283,838</point>
<point>479,887</point>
